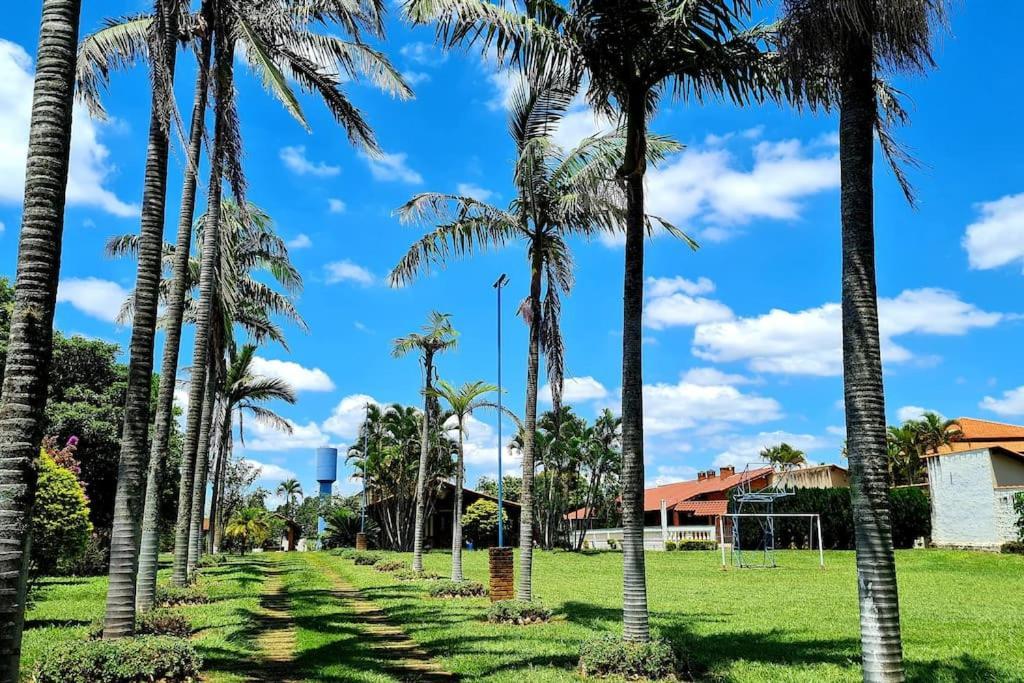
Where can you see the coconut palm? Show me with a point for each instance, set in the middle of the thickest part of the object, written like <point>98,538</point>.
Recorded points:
<point>30,346</point>
<point>248,527</point>
<point>937,431</point>
<point>462,401</point>
<point>559,194</point>
<point>630,54</point>
<point>291,489</point>
<point>438,335</point>
<point>783,456</point>
<point>840,52</point>
<point>904,450</point>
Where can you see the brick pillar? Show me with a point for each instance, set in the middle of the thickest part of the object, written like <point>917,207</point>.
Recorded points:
<point>502,574</point>
<point>360,541</point>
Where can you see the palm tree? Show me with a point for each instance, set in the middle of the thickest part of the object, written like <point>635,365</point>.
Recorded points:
<point>462,401</point>
<point>631,53</point>
<point>904,450</point>
<point>937,432</point>
<point>603,454</point>
<point>840,52</point>
<point>30,346</point>
<point>291,489</point>
<point>559,195</point>
<point>244,393</point>
<point>438,336</point>
<point>783,456</point>
<point>248,527</point>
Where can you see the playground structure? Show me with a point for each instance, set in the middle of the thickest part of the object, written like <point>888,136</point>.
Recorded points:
<point>326,475</point>
<point>757,506</point>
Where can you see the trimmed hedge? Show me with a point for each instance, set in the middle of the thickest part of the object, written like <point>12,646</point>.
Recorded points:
<point>365,559</point>
<point>911,519</point>
<point>610,655</point>
<point>694,544</point>
<point>1013,548</point>
<point>168,595</point>
<point>413,575</point>
<point>390,565</point>
<point>519,612</point>
<point>457,589</point>
<point>126,660</point>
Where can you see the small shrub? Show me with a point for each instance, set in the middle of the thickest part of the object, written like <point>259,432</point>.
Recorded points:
<point>670,545</point>
<point>209,560</point>
<point>693,544</point>
<point>609,655</point>
<point>1013,548</point>
<point>366,559</point>
<point>168,595</point>
<point>126,660</point>
<point>412,575</point>
<point>519,612</point>
<point>163,622</point>
<point>457,589</point>
<point>60,519</point>
<point>390,565</point>
<point>344,553</point>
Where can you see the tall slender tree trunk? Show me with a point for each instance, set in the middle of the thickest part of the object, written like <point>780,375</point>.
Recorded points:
<point>524,584</point>
<point>125,538</point>
<point>460,481</point>
<point>635,616</point>
<point>216,504</point>
<point>195,534</point>
<point>145,589</point>
<point>421,477</point>
<point>30,345</point>
<point>207,282</point>
<point>881,647</point>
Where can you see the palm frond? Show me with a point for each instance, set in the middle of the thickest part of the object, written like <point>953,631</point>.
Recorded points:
<point>120,44</point>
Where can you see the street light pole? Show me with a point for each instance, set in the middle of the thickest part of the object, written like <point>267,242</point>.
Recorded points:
<point>498,285</point>
<point>366,455</point>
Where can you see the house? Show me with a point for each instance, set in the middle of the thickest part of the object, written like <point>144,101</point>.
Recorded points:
<point>814,477</point>
<point>973,483</point>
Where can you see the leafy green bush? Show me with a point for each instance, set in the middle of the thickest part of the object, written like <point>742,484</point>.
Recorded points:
<point>1018,507</point>
<point>412,575</point>
<point>1012,548</point>
<point>670,545</point>
<point>911,516</point>
<point>95,559</point>
<point>519,612</point>
<point>163,622</point>
<point>344,553</point>
<point>610,655</point>
<point>60,518</point>
<point>126,660</point>
<point>168,595</point>
<point>390,565</point>
<point>456,589</point>
<point>210,560</point>
<point>694,544</point>
<point>366,559</point>
<point>480,522</point>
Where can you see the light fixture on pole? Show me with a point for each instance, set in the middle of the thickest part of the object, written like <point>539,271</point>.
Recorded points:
<point>366,462</point>
<point>499,558</point>
<point>498,285</point>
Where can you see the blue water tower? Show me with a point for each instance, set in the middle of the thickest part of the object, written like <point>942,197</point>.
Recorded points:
<point>326,475</point>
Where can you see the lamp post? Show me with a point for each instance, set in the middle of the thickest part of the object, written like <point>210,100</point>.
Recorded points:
<point>500,557</point>
<point>361,536</point>
<point>498,285</point>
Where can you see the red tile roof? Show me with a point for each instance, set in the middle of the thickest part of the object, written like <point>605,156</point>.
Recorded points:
<point>976,434</point>
<point>681,491</point>
<point>708,508</point>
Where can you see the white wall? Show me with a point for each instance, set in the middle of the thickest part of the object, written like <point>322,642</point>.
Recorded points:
<point>963,499</point>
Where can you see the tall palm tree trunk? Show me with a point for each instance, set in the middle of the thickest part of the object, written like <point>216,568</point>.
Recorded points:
<point>125,538</point>
<point>881,648</point>
<point>216,504</point>
<point>207,281</point>
<point>195,534</point>
<point>30,346</point>
<point>635,617</point>
<point>460,480</point>
<point>421,476</point>
<point>145,589</point>
<point>524,585</point>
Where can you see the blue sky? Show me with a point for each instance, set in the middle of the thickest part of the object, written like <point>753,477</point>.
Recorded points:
<point>742,337</point>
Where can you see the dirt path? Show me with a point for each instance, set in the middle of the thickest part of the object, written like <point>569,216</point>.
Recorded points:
<point>277,634</point>
<point>407,661</point>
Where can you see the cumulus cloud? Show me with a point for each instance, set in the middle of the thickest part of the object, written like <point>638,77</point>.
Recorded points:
<point>746,450</point>
<point>996,237</point>
<point>712,376</point>
<point>673,302</point>
<point>270,475</point>
<point>907,413</point>
<point>415,78</point>
<point>475,191</point>
<point>576,390</point>
<point>95,297</point>
<point>335,205</point>
<point>685,405</point>
<point>347,271</point>
<point>90,168</point>
<point>296,161</point>
<point>262,437</point>
<point>809,342</point>
<point>392,168</point>
<point>299,377</point>
<point>1011,403</point>
<point>423,53</point>
<point>346,417</point>
<point>503,84</point>
<point>300,241</point>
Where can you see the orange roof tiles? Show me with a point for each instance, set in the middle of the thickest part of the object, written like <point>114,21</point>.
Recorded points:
<point>681,491</point>
<point>977,434</point>
<point>710,508</point>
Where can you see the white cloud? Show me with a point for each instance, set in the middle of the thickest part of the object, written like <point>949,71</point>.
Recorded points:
<point>2,227</point>
<point>423,53</point>
<point>709,184</point>
<point>907,413</point>
<point>504,84</point>
<point>579,122</point>
<point>95,297</point>
<point>299,377</point>
<point>335,205</point>
<point>481,441</point>
<point>475,191</point>
<point>262,437</point>
<point>270,475</point>
<point>576,390</point>
<point>391,168</point>
<point>1009,404</point>
<point>346,417</point>
<point>670,303</point>
<point>711,376</point>
<point>295,160</point>
<point>809,342</point>
<point>415,78</point>
<point>685,405</point>
<point>345,270</point>
<point>743,451</point>
<point>300,241</point>
<point>669,474</point>
<point>89,165</point>
<point>996,237</point>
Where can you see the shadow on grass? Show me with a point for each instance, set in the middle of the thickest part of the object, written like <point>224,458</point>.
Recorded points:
<point>55,623</point>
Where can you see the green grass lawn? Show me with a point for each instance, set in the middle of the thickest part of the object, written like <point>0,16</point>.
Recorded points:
<point>963,616</point>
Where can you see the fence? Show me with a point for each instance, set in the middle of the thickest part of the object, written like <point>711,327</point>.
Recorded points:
<point>654,536</point>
